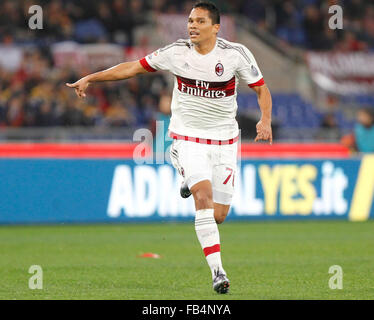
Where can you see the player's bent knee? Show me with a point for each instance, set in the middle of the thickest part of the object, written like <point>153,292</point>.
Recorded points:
<point>220,212</point>
<point>203,201</point>
<point>220,219</point>
<point>203,198</point>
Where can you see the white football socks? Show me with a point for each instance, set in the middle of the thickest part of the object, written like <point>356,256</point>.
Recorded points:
<point>208,235</point>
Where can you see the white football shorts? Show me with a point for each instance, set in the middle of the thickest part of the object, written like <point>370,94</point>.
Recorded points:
<point>198,161</point>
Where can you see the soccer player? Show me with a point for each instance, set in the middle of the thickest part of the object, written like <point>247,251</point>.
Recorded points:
<point>202,124</point>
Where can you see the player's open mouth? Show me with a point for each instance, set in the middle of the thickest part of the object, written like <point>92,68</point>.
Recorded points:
<point>193,34</point>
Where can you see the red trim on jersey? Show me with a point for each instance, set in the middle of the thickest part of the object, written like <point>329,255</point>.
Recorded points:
<point>212,249</point>
<point>259,83</point>
<point>203,141</point>
<point>212,84</point>
<point>146,65</point>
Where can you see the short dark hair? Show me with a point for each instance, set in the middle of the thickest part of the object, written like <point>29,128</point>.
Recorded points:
<point>214,13</point>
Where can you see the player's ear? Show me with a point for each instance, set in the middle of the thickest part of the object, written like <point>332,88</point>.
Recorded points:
<point>216,28</point>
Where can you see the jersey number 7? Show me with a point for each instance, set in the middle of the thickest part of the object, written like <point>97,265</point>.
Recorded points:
<point>229,176</point>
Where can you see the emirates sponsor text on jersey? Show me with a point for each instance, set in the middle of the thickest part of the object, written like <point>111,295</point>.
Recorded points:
<point>206,89</point>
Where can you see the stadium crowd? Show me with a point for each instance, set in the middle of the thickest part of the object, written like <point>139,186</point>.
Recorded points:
<point>302,23</point>
<point>305,23</point>
<point>36,95</point>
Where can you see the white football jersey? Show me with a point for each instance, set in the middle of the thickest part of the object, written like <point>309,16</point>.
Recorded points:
<point>205,86</point>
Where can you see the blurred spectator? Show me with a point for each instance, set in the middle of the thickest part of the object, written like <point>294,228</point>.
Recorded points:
<point>10,54</point>
<point>355,9</point>
<point>288,23</point>
<point>255,10</point>
<point>161,122</point>
<point>350,43</point>
<point>117,115</point>
<point>15,112</point>
<point>330,130</point>
<point>364,130</point>
<point>314,28</point>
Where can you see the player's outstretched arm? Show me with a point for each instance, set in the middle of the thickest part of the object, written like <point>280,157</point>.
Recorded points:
<point>263,127</point>
<point>121,71</point>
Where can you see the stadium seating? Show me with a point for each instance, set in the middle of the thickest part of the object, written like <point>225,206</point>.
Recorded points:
<point>297,118</point>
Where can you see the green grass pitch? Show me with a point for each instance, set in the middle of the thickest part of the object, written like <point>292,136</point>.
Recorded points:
<point>263,260</point>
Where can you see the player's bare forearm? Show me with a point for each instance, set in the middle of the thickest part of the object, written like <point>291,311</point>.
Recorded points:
<point>264,101</point>
<point>121,71</point>
<point>263,127</point>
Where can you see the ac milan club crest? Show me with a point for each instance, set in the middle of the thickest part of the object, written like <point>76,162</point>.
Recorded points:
<point>219,69</point>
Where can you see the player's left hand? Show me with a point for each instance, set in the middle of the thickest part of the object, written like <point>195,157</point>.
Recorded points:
<point>264,132</point>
